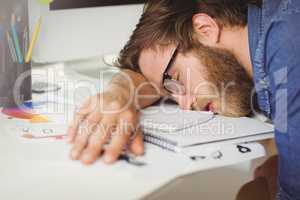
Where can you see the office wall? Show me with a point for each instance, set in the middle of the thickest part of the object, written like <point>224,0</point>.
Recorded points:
<point>82,33</point>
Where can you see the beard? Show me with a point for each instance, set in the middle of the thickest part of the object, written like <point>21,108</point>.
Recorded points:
<point>229,77</point>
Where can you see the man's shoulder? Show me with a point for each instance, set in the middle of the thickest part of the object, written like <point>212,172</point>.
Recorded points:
<point>282,35</point>
<point>273,10</point>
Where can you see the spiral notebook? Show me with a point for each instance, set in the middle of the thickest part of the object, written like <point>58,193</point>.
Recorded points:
<point>177,130</point>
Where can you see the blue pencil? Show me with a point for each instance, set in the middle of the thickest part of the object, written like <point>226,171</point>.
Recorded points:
<point>16,39</point>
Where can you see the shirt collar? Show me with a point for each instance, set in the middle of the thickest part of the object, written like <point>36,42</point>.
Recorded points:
<point>254,29</point>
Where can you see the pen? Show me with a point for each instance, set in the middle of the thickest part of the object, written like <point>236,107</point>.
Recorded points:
<point>16,39</point>
<point>131,160</point>
<point>33,40</point>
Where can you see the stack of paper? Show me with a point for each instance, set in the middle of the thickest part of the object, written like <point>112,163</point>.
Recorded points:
<point>177,130</point>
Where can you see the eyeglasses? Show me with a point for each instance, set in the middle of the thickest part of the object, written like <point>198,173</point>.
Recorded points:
<point>173,86</point>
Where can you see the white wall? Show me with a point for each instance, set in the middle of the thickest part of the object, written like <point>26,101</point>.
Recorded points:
<point>82,33</point>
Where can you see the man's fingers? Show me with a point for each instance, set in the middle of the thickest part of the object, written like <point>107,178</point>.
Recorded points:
<point>137,144</point>
<point>97,140</point>
<point>120,138</point>
<point>80,115</point>
<point>73,127</point>
<point>85,129</point>
<point>80,141</point>
<point>116,147</point>
<point>94,148</point>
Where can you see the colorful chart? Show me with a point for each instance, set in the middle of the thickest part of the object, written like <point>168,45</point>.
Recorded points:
<point>18,113</point>
<point>25,114</point>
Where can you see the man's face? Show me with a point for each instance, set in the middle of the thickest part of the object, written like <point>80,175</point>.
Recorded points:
<point>213,79</point>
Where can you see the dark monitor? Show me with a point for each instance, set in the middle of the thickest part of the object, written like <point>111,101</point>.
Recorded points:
<point>71,4</point>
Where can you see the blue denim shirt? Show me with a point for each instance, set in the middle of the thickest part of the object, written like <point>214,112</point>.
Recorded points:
<point>274,38</point>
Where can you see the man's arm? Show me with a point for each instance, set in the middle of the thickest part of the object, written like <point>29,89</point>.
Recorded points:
<point>284,72</point>
<point>112,116</point>
<point>135,87</point>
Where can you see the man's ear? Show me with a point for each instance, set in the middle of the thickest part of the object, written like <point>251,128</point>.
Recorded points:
<point>206,28</point>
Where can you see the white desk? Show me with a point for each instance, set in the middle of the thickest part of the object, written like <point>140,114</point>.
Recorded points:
<point>27,175</point>
<point>31,170</point>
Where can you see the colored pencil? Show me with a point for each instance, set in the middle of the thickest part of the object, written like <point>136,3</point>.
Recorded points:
<point>33,40</point>
<point>16,39</point>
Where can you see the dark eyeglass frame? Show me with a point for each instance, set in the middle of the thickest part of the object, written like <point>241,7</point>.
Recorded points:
<point>167,76</point>
<point>170,64</point>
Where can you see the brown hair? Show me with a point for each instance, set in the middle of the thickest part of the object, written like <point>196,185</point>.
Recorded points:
<point>170,21</point>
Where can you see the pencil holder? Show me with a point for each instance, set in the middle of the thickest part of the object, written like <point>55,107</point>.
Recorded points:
<point>15,74</point>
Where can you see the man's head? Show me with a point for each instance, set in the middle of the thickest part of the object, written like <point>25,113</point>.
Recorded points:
<point>212,76</point>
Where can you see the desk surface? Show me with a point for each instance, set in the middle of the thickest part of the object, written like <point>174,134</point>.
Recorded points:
<point>42,170</point>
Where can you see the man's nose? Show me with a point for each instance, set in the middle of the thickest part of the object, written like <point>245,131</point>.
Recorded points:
<point>184,101</point>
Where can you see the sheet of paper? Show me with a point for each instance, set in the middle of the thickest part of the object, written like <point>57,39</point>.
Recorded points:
<point>190,128</point>
<point>170,118</point>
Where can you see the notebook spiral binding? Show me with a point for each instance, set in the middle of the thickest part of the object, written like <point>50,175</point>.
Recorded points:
<point>161,142</point>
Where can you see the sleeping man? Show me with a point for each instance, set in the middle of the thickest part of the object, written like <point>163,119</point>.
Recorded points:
<point>204,55</point>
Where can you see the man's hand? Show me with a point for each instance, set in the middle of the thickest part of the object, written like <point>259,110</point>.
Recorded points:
<point>104,120</point>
